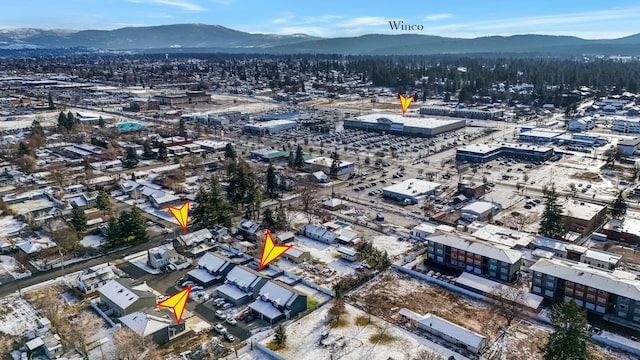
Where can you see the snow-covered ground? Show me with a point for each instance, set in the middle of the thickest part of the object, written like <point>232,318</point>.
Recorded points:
<point>13,267</point>
<point>17,316</point>
<point>139,259</point>
<point>9,225</point>
<point>391,244</point>
<point>92,241</point>
<point>303,339</point>
<point>326,253</point>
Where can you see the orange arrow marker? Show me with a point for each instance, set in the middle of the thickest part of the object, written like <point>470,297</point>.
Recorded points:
<point>176,302</point>
<point>405,102</point>
<point>181,214</point>
<point>271,251</point>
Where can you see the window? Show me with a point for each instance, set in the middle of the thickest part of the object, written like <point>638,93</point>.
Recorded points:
<point>550,285</point>
<point>537,281</point>
<point>579,294</point>
<point>569,283</point>
<point>624,307</point>
<point>591,297</point>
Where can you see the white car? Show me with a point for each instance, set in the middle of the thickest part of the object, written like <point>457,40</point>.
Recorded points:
<point>220,314</point>
<point>220,329</point>
<point>197,288</point>
<point>226,306</point>
<point>231,321</point>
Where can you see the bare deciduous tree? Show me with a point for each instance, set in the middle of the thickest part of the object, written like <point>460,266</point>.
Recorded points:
<point>508,302</point>
<point>128,344</point>
<point>308,200</point>
<point>6,343</point>
<point>82,328</point>
<point>426,354</point>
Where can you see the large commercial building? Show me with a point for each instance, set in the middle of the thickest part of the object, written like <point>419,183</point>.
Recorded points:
<point>481,153</point>
<point>626,125</point>
<point>613,294</point>
<point>269,127</point>
<point>404,125</point>
<point>478,257</point>
<point>324,164</point>
<point>410,190</point>
<point>187,98</point>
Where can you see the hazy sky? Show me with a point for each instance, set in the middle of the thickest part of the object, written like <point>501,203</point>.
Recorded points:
<point>591,19</point>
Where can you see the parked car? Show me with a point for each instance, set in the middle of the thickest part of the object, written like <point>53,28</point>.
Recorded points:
<point>220,329</point>
<point>220,314</point>
<point>226,306</point>
<point>197,288</point>
<point>187,283</point>
<point>231,321</point>
<point>219,301</point>
<point>229,337</point>
<point>249,318</point>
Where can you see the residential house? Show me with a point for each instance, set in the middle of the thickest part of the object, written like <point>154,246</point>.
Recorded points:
<point>91,279</point>
<point>248,227</point>
<point>158,325</point>
<point>613,294</point>
<point>195,238</point>
<point>318,233</point>
<point>211,268</point>
<point>348,253</point>
<point>296,255</point>
<point>278,301</point>
<point>448,331</point>
<point>166,256</point>
<point>123,298</point>
<point>241,285</point>
<point>475,256</point>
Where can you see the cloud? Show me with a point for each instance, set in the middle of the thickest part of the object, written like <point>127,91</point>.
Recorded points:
<point>285,18</point>
<point>184,5</point>
<point>363,21</point>
<point>436,17</point>
<point>583,23</point>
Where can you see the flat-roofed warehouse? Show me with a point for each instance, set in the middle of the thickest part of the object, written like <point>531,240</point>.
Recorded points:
<point>404,125</point>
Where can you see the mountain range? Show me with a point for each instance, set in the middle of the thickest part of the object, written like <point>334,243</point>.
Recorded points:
<point>215,38</point>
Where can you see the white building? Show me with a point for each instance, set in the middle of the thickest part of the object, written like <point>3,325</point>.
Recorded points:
<point>324,164</point>
<point>626,125</point>
<point>628,147</point>
<point>410,191</point>
<point>478,210</point>
<point>582,124</point>
<point>94,277</point>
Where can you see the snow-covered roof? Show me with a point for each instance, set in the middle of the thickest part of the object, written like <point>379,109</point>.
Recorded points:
<point>248,226</point>
<point>412,187</point>
<point>498,252</point>
<point>478,207</point>
<point>195,237</point>
<point>487,286</point>
<point>203,275</point>
<point>613,282</point>
<point>442,326</point>
<point>31,246</point>
<point>231,291</point>
<point>501,235</point>
<point>243,277</point>
<point>295,252</point>
<point>119,294</point>
<point>212,263</point>
<point>278,294</point>
<point>265,308</point>
<point>144,324</point>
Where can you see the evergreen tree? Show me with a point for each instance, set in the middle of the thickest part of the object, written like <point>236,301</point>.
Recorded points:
<point>113,234</point>
<point>281,217</point>
<point>162,151</point>
<point>280,337</point>
<point>78,219</point>
<point>51,103</point>
<point>131,159</point>
<point>139,226</point>
<point>229,152</point>
<point>147,151</point>
<point>101,122</point>
<point>269,220</point>
<point>182,130</point>
<point>619,207</point>
<point>292,159</point>
<point>335,164</point>
<point>210,208</point>
<point>271,181</point>
<point>569,338</point>
<point>62,121</point>
<point>299,159</point>
<point>71,120</point>
<point>37,138</point>
<point>551,224</point>
<point>23,149</point>
<point>103,202</point>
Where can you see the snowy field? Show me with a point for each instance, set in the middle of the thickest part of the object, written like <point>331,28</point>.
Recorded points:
<point>326,253</point>
<point>92,241</point>
<point>391,244</point>
<point>17,316</point>
<point>303,339</point>
<point>11,266</point>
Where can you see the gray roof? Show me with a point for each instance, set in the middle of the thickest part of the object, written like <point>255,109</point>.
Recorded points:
<point>212,263</point>
<point>232,291</point>
<point>498,252</point>
<point>448,328</point>
<point>121,295</point>
<point>278,294</point>
<point>243,277</point>
<point>617,282</point>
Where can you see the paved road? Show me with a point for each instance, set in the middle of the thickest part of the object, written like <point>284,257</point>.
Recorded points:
<point>38,277</point>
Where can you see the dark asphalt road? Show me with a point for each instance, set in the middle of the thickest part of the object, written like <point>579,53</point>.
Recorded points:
<point>38,277</point>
